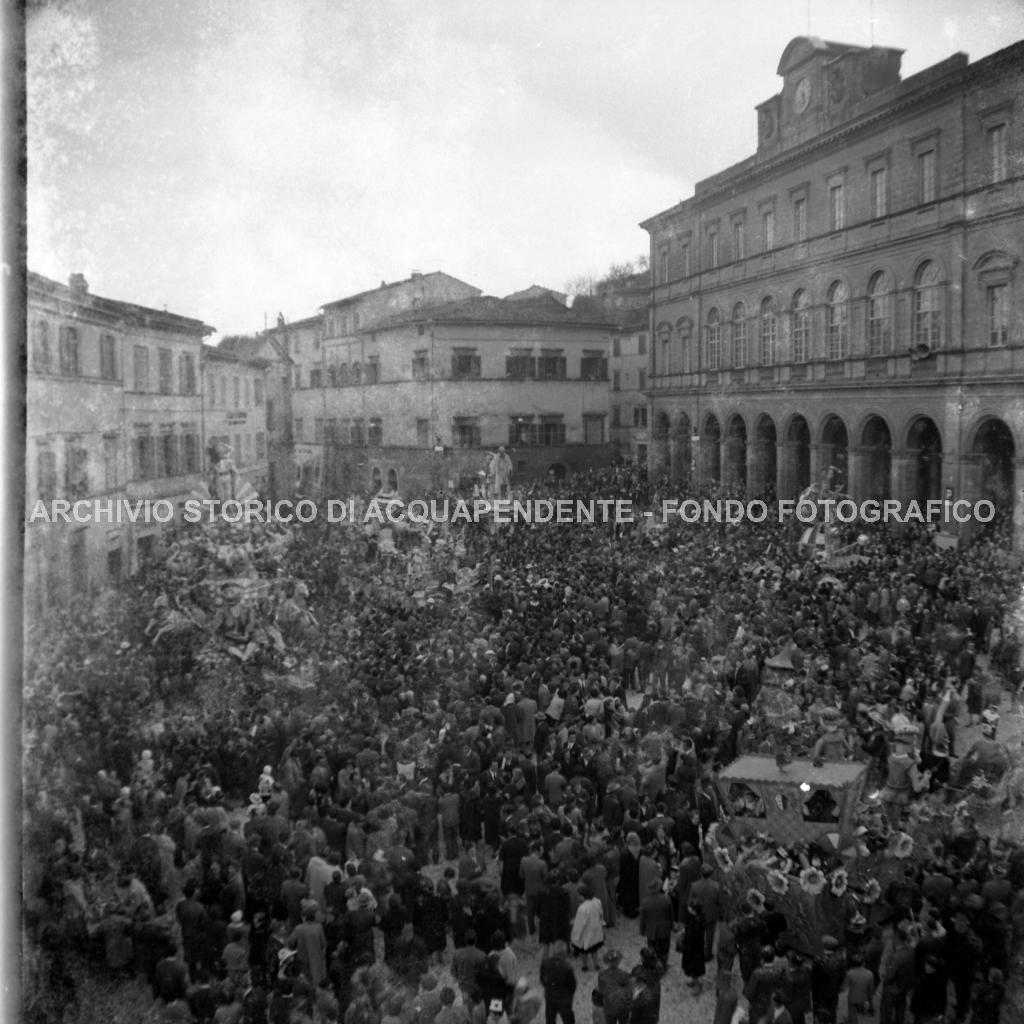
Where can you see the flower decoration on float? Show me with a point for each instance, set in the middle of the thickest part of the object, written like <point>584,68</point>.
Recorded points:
<point>813,881</point>
<point>723,858</point>
<point>756,899</point>
<point>778,882</point>
<point>872,891</point>
<point>902,845</point>
<point>840,882</point>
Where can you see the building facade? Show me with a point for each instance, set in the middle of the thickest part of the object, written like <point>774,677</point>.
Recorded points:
<point>235,411</point>
<point>850,295</point>
<point>411,403</point>
<point>114,412</point>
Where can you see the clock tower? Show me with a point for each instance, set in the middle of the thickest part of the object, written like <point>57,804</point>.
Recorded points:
<point>824,84</point>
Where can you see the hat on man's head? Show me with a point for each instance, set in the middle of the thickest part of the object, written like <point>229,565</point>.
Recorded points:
<point>830,942</point>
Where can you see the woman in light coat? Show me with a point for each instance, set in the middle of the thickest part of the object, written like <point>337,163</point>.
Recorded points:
<point>588,926</point>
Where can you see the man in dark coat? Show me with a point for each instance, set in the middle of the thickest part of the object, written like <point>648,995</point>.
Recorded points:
<point>656,920</point>
<point>559,981</point>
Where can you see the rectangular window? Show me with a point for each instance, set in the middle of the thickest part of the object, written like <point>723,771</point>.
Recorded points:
<point>997,153</point>
<point>616,415</point>
<point>169,453</point>
<point>616,347</point>
<point>551,430</point>
<point>76,471</point>
<point>166,364</point>
<point>800,220</point>
<point>299,432</point>
<point>739,240</point>
<point>768,230</point>
<point>236,391</point>
<point>375,435</point>
<point>926,176</point>
<point>521,430</point>
<point>331,435</point>
<point>141,362</point>
<point>46,474</point>
<point>663,260</point>
<point>642,344</point>
<point>593,430</point>
<point>879,192</point>
<point>551,365</point>
<point>713,249</point>
<point>318,431</point>
<point>270,414</point>
<point>190,453</point>
<point>465,364</point>
<point>801,335</point>
<point>298,377</point>
<point>420,364</point>
<point>998,301</point>
<point>836,208</point>
<point>315,377</point>
<point>640,416</point>
<point>69,351</point>
<point>641,379</point>
<point>41,346</point>
<point>110,474</point>
<point>356,431</point>
<point>465,432</point>
<point>261,445</point>
<point>145,457</point>
<point>187,373</point>
<point>257,391</point>
<point>616,380</point>
<point>423,432</point>
<point>520,365</point>
<point>108,357</point>
<point>372,371</point>
<point>684,259</point>
<point>593,366</point>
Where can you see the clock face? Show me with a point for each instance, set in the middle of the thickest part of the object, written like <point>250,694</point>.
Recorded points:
<point>803,95</point>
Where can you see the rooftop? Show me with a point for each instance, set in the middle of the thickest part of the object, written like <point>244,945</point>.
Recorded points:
<point>384,286</point>
<point>487,309</point>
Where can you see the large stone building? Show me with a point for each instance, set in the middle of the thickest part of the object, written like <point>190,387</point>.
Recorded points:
<point>114,412</point>
<point>850,295</point>
<point>410,390</point>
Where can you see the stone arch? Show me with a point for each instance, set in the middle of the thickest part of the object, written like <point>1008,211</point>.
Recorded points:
<point>876,459</point>
<point>682,449</point>
<point>765,465</point>
<point>797,468</point>
<point>710,465</point>
<point>734,472</point>
<point>661,462</point>
<point>993,450</point>
<point>835,450</point>
<point>924,444</point>
<point>556,471</point>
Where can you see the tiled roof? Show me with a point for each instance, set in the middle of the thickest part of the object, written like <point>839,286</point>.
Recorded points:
<point>384,285</point>
<point>488,309</point>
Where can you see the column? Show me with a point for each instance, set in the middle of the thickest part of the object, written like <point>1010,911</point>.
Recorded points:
<point>785,469</point>
<point>857,460</point>
<point>900,474</point>
<point>1018,506</point>
<point>725,462</point>
<point>972,469</point>
<point>755,468</point>
<point>819,460</point>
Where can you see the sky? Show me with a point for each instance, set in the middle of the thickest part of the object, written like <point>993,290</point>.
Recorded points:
<point>237,159</point>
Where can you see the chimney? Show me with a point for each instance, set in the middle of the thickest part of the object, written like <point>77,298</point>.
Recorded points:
<point>280,319</point>
<point>416,275</point>
<point>78,284</point>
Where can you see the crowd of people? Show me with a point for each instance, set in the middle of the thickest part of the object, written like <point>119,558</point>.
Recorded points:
<point>532,757</point>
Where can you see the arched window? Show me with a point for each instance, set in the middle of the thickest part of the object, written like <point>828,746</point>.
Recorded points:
<point>343,378</point>
<point>714,340</point>
<point>769,332</point>
<point>687,356</point>
<point>377,480</point>
<point>838,321</point>
<point>332,376</point>
<point>41,346</point>
<point>879,315</point>
<point>927,306</point>
<point>393,480</point>
<point>69,351</point>
<point>739,335</point>
<point>801,326</point>
<point>357,374</point>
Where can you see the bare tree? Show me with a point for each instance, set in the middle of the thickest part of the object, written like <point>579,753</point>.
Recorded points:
<point>581,284</point>
<point>643,262</point>
<point>619,273</point>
